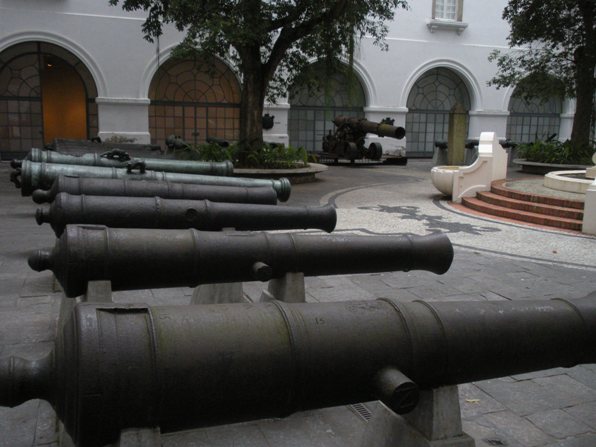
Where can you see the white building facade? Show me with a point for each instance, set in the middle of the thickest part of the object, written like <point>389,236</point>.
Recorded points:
<point>81,68</point>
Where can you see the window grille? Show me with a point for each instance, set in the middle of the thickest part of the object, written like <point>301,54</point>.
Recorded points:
<point>311,113</point>
<point>194,100</point>
<point>446,10</point>
<point>431,99</point>
<point>531,120</point>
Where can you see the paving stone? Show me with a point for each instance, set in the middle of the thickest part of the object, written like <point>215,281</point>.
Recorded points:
<point>474,401</point>
<point>487,436</point>
<point>588,440</point>
<point>523,398</point>
<point>515,427</point>
<point>567,390</point>
<point>584,412</point>
<point>538,374</point>
<point>584,375</point>
<point>558,423</point>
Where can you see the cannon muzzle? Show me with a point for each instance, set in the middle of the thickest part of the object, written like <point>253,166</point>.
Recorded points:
<point>41,176</point>
<point>181,367</point>
<point>264,195</point>
<point>145,259</point>
<point>155,212</point>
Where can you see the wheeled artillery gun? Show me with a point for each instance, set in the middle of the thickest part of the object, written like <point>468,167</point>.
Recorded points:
<point>155,212</point>
<point>135,259</point>
<point>348,140</point>
<point>182,367</point>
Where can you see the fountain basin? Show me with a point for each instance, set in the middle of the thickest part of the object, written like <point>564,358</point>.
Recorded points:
<point>569,181</point>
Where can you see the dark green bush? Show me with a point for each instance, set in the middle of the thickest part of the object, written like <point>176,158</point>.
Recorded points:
<point>271,156</point>
<point>555,152</point>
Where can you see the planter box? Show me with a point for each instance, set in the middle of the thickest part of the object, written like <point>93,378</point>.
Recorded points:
<point>533,167</point>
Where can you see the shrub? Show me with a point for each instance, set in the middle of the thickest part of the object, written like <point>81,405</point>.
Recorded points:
<point>271,156</point>
<point>555,152</point>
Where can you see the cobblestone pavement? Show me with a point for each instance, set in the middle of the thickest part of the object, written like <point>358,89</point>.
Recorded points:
<point>493,261</point>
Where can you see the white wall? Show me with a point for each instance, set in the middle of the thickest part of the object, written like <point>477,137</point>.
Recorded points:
<point>109,42</point>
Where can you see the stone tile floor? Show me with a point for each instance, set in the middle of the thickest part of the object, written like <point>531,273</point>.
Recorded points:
<point>493,261</point>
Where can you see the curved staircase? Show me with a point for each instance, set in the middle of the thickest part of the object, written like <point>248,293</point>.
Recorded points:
<point>537,209</point>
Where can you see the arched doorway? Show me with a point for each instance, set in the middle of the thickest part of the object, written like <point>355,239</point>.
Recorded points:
<point>432,97</point>
<point>311,113</point>
<point>533,119</point>
<point>194,100</point>
<point>46,92</point>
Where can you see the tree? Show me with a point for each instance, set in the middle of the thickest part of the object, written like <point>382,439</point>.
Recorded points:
<point>269,41</point>
<point>558,56</point>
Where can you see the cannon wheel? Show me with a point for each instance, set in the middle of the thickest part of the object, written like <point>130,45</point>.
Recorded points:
<point>375,151</point>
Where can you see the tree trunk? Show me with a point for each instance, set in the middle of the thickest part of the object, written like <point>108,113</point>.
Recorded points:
<point>582,122</point>
<point>251,111</point>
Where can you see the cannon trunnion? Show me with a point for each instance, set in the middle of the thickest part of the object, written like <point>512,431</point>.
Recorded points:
<point>179,367</point>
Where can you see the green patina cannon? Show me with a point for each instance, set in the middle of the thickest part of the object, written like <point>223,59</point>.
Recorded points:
<point>155,212</point>
<point>181,367</point>
<point>31,176</point>
<point>90,186</point>
<point>120,159</point>
<point>145,259</point>
<point>348,140</point>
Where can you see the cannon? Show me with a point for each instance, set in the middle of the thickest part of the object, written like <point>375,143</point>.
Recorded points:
<point>146,259</point>
<point>181,367</point>
<point>348,140</point>
<point>31,176</point>
<point>90,186</point>
<point>154,212</point>
<point>120,159</point>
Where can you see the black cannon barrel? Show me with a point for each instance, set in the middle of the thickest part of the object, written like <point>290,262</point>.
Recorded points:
<point>90,186</point>
<point>180,367</point>
<point>155,212</point>
<point>120,159</point>
<point>365,126</point>
<point>145,259</point>
<point>31,176</point>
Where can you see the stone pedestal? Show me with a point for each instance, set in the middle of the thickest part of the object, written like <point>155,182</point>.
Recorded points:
<point>435,422</point>
<point>289,289</point>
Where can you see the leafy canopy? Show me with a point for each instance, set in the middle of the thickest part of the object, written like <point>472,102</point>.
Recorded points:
<point>547,37</point>
<point>275,37</point>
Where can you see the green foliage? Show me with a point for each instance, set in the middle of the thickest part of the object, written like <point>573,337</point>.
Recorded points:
<point>552,52</point>
<point>555,152</point>
<point>270,156</point>
<point>207,152</point>
<point>278,38</point>
<point>278,156</point>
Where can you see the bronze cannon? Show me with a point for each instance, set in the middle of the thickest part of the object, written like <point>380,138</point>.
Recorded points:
<point>145,259</point>
<point>181,367</point>
<point>90,186</point>
<point>31,176</point>
<point>155,212</point>
<point>119,159</point>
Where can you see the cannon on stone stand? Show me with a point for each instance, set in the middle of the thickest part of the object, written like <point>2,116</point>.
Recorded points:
<point>182,367</point>
<point>348,139</point>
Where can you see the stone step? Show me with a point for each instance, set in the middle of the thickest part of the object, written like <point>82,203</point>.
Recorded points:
<point>532,207</point>
<point>499,187</point>
<point>524,216</point>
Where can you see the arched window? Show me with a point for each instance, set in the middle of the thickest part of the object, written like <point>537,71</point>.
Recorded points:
<point>46,92</point>
<point>311,113</point>
<point>534,119</point>
<point>432,97</point>
<point>194,100</point>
